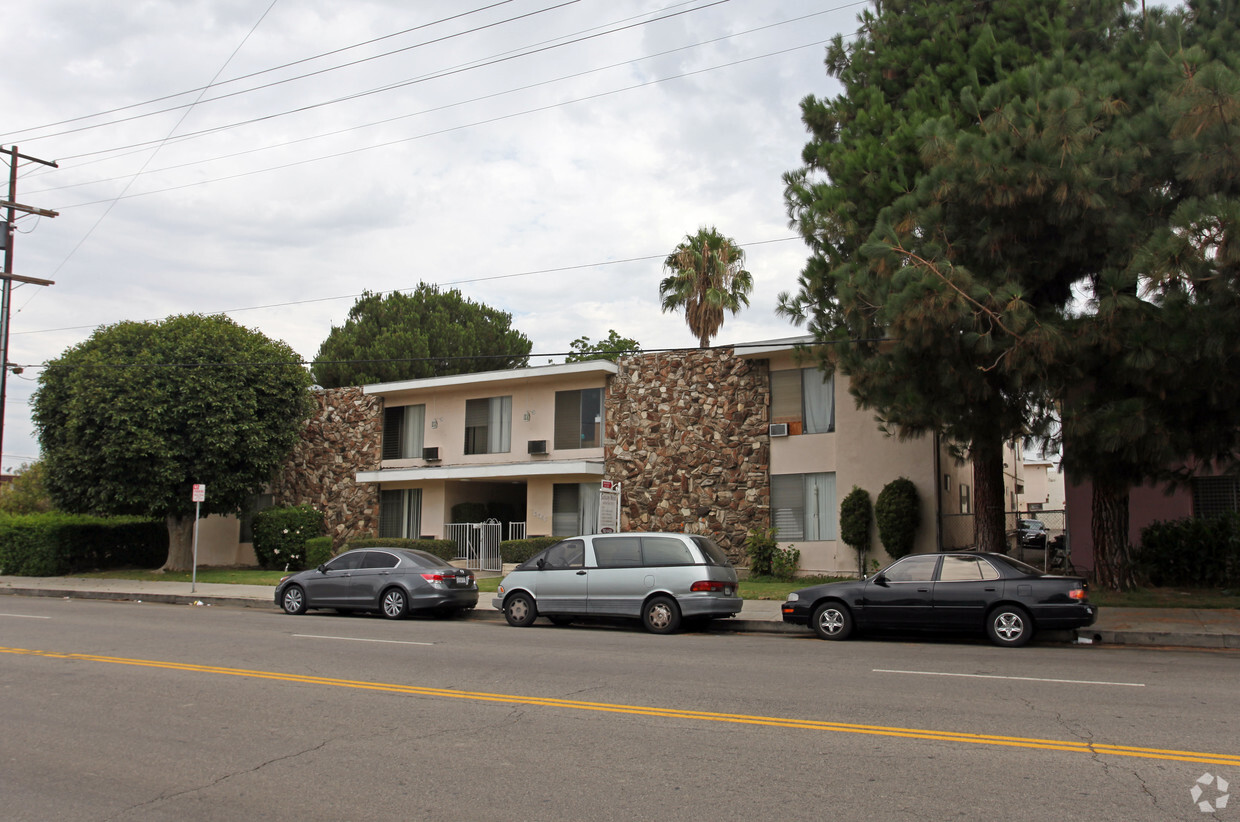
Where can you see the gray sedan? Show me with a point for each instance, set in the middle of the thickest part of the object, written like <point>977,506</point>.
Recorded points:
<point>392,581</point>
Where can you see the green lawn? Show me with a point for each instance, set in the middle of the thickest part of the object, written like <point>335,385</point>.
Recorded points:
<point>756,588</point>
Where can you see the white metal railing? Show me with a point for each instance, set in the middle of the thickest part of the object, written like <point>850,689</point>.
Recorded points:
<point>477,543</point>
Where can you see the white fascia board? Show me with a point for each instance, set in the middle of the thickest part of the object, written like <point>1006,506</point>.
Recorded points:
<point>601,367</point>
<point>765,348</point>
<point>504,471</point>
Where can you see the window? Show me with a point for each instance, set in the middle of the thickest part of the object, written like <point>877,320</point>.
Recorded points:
<point>805,396</point>
<point>579,418</point>
<point>574,508</point>
<point>966,501</point>
<point>379,559</point>
<point>947,482</point>
<point>966,569</point>
<point>803,506</point>
<point>912,569</point>
<point>400,513</point>
<point>488,425</point>
<point>258,502</point>
<point>571,553</point>
<point>665,551</point>
<point>402,431</point>
<point>1215,496</point>
<point>618,552</point>
<point>347,562</point>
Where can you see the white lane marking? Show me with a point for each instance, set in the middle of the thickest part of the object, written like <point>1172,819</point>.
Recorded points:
<point>361,639</point>
<point>1021,678</point>
<point>25,616</point>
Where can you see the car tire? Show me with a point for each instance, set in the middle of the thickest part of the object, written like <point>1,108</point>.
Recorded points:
<point>832,620</point>
<point>393,603</point>
<point>561,620</point>
<point>520,611</point>
<point>1009,626</point>
<point>661,615</point>
<point>293,600</point>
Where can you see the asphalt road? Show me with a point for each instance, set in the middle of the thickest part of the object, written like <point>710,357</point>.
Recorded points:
<point>129,711</point>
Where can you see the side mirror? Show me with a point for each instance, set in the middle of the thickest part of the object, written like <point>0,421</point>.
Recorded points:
<point>542,563</point>
<point>323,568</point>
<point>880,580</point>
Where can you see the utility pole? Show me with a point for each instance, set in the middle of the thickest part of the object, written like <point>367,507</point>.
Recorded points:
<point>7,276</point>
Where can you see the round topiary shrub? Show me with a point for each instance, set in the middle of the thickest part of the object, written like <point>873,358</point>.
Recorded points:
<point>898,513</point>
<point>855,515</point>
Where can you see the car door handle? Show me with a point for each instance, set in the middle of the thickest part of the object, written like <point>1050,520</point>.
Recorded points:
<point>581,573</point>
<point>923,590</point>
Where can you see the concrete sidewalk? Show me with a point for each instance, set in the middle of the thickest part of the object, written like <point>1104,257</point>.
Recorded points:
<point>1172,627</point>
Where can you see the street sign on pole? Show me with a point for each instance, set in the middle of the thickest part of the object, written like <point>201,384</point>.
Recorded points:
<point>198,495</point>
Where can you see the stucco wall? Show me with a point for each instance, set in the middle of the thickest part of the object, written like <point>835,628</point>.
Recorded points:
<point>342,437</point>
<point>687,439</point>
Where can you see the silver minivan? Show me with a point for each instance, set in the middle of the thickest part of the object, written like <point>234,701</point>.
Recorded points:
<point>657,578</point>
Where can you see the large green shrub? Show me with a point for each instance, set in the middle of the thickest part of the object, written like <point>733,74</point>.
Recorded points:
<point>445,549</point>
<point>855,515</point>
<point>761,546</point>
<point>898,513</point>
<point>55,543</point>
<point>519,550</point>
<point>1197,553</point>
<point>280,536</point>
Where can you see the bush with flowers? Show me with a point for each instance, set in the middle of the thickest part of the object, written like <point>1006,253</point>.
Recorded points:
<point>280,536</point>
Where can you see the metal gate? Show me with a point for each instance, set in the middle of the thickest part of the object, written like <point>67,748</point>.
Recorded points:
<point>478,544</point>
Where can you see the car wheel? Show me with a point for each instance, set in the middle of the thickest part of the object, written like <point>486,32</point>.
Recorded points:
<point>394,603</point>
<point>294,600</point>
<point>832,620</point>
<point>1010,626</point>
<point>519,610</point>
<point>561,620</point>
<point>661,615</point>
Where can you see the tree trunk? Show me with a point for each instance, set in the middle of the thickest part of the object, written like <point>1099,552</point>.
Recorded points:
<point>180,543</point>
<point>1113,567</point>
<point>989,532</point>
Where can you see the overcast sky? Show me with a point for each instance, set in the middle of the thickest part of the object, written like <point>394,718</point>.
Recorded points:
<point>272,160</point>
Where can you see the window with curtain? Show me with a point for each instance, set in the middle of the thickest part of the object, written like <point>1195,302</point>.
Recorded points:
<point>403,427</point>
<point>579,418</point>
<point>400,513</point>
<point>574,508</point>
<point>803,506</point>
<point>488,425</point>
<point>806,396</point>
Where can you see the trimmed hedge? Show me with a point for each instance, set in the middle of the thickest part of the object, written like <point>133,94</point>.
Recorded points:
<point>280,536</point>
<point>318,551</point>
<point>55,544</point>
<point>1193,553</point>
<point>519,550</point>
<point>443,548</point>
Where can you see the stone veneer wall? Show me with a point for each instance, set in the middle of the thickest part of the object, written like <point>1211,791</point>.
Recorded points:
<point>342,437</point>
<point>687,439</point>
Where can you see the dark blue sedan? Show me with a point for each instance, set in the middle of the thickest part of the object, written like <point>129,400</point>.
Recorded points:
<point>968,592</point>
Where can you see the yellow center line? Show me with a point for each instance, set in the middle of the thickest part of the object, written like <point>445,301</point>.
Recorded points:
<point>1070,746</point>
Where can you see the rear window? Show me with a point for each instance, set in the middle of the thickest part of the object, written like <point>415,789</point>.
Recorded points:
<point>424,559</point>
<point>1018,566</point>
<point>713,554</point>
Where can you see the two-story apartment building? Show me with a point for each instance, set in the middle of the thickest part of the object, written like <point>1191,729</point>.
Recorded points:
<point>526,444</point>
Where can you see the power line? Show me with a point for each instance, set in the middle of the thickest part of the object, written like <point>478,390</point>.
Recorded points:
<point>444,107</point>
<point>470,280</point>
<point>256,73</point>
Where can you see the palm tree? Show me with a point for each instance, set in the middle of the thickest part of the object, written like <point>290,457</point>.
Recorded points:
<point>707,277</point>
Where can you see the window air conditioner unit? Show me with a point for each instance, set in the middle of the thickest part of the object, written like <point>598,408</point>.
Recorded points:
<point>779,429</point>
<point>538,446</point>
<point>431,454</point>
